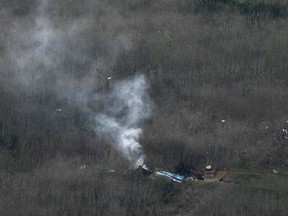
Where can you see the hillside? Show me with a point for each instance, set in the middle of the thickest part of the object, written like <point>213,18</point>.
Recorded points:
<point>90,89</point>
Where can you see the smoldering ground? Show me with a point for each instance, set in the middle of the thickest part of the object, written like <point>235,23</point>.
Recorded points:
<point>71,54</point>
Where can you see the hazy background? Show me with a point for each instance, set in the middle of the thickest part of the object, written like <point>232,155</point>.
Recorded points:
<point>177,84</point>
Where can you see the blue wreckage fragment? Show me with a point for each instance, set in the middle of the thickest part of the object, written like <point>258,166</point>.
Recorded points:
<point>172,176</point>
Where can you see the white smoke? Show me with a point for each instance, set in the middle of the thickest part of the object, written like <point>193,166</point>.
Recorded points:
<point>127,106</point>
<point>46,56</point>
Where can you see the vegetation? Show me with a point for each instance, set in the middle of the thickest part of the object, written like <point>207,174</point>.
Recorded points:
<point>218,79</point>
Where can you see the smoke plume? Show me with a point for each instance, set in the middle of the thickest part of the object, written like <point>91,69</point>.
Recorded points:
<point>72,56</point>
<point>127,105</point>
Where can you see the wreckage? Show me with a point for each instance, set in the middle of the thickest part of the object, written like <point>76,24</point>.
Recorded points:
<point>157,172</point>
<point>206,174</point>
<point>171,176</point>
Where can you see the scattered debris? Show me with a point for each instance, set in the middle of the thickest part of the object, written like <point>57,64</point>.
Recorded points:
<point>207,174</point>
<point>58,110</point>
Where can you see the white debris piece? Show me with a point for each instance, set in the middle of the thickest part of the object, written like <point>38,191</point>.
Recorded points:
<point>285,131</point>
<point>275,171</point>
<point>266,127</point>
<point>109,78</point>
<point>83,167</point>
<point>223,120</point>
<point>208,167</point>
<point>59,110</point>
<point>111,171</point>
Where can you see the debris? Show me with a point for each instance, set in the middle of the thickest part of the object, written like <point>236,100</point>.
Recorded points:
<point>145,167</point>
<point>285,131</point>
<point>109,78</point>
<point>206,175</point>
<point>111,171</point>
<point>83,167</point>
<point>146,170</point>
<point>191,178</point>
<point>209,167</point>
<point>223,120</point>
<point>275,171</point>
<point>171,176</point>
<point>59,110</point>
<point>266,127</point>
